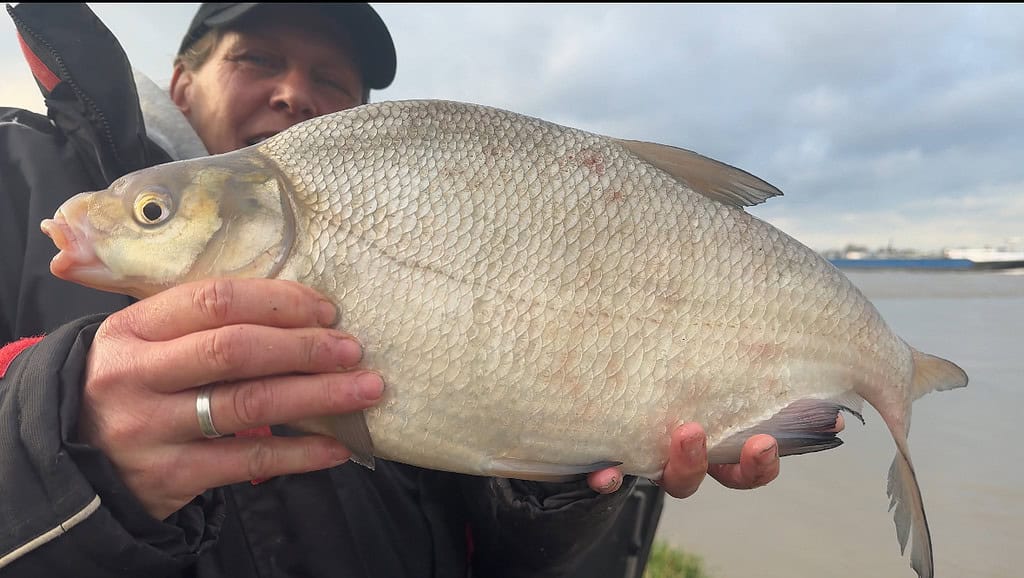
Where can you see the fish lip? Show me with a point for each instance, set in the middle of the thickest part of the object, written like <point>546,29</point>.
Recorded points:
<point>75,260</point>
<point>58,231</point>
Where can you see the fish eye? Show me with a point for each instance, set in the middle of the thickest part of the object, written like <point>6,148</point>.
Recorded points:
<point>152,208</point>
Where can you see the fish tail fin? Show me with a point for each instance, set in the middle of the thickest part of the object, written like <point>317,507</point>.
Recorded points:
<point>930,374</point>
<point>908,511</point>
<point>934,374</point>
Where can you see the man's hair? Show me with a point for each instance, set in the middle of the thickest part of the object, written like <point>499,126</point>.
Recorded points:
<point>197,53</point>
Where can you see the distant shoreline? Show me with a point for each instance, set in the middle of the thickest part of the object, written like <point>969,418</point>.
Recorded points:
<point>928,264</point>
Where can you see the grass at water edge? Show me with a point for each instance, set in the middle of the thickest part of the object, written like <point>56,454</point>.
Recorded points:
<point>668,562</point>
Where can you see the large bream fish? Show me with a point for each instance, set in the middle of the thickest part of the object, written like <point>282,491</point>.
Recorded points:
<point>541,301</point>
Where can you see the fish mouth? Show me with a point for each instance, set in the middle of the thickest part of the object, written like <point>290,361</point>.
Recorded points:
<point>75,261</point>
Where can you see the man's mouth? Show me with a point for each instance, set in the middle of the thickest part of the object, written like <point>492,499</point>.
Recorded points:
<point>258,138</point>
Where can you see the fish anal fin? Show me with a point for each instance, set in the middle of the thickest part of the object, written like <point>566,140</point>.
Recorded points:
<point>713,179</point>
<point>801,427</point>
<point>542,471</point>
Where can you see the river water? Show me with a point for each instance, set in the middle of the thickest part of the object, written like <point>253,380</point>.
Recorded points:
<point>827,513</point>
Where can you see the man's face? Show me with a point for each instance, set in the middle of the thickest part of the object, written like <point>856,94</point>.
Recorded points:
<point>260,80</point>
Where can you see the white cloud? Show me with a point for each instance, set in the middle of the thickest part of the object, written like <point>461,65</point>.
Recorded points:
<point>878,121</point>
<point>821,103</point>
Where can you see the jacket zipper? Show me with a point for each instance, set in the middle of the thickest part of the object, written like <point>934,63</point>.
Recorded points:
<point>65,76</point>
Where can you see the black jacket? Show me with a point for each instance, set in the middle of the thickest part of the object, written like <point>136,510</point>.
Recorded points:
<point>63,510</point>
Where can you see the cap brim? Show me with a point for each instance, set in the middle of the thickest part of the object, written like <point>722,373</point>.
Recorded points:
<point>229,14</point>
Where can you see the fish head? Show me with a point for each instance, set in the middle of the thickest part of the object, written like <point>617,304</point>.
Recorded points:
<point>222,216</point>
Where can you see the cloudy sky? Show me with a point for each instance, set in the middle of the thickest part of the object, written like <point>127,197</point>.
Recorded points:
<point>899,124</point>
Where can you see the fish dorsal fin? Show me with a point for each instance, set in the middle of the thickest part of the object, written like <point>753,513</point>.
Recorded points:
<point>713,179</point>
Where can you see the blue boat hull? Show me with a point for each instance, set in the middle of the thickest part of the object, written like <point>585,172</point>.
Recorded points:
<point>929,264</point>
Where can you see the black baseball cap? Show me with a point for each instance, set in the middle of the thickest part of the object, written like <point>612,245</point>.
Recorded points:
<point>375,51</point>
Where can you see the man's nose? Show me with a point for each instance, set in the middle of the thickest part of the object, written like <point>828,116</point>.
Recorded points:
<point>294,94</point>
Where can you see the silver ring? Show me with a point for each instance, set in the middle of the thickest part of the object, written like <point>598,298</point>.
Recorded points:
<point>203,412</point>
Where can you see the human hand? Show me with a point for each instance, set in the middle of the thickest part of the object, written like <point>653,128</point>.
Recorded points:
<point>267,345</point>
<point>688,463</point>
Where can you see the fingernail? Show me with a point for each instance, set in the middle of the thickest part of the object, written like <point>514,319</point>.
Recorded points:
<point>325,313</point>
<point>612,485</point>
<point>768,454</point>
<point>695,446</point>
<point>349,351</point>
<point>370,385</point>
<point>339,454</point>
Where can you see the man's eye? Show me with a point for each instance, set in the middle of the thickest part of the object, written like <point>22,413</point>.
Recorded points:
<point>331,82</point>
<point>336,83</point>
<point>262,60</point>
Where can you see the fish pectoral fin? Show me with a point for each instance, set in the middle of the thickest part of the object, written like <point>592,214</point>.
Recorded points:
<point>542,471</point>
<point>713,179</point>
<point>799,428</point>
<point>351,430</point>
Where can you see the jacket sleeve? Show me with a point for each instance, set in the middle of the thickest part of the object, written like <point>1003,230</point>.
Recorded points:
<point>537,530</point>
<point>14,222</point>
<point>63,508</point>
